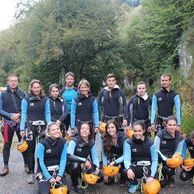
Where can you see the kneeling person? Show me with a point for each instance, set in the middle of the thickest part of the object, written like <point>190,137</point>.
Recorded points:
<point>140,157</point>
<point>51,157</point>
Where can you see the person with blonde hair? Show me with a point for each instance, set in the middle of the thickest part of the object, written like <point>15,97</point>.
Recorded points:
<point>84,108</point>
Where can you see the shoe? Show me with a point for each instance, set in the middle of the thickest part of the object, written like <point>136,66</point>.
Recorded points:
<point>4,171</point>
<point>132,188</point>
<point>30,179</point>
<point>26,169</point>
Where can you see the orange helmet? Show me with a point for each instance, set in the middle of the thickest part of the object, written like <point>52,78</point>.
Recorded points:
<point>111,170</point>
<point>188,162</point>
<point>175,161</point>
<point>60,190</point>
<point>22,146</point>
<point>91,179</point>
<point>152,188</point>
<point>129,132</point>
<point>102,126</point>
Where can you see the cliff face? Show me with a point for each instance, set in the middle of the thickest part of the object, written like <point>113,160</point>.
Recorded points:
<point>186,70</point>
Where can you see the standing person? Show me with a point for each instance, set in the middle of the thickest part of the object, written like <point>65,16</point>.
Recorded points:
<point>169,142</point>
<point>35,108</point>
<point>10,110</point>
<point>84,108</point>
<point>58,106</point>
<point>163,103</point>
<point>78,152</point>
<point>112,102</point>
<point>140,157</point>
<point>139,106</point>
<point>113,140</point>
<point>51,156</point>
<point>188,173</point>
<point>68,92</point>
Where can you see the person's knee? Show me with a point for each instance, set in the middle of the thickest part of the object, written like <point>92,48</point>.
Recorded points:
<point>7,146</point>
<point>167,171</point>
<point>184,176</point>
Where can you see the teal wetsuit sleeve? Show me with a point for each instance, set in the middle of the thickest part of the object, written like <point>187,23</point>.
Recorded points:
<point>63,161</point>
<point>127,155</point>
<point>95,114</point>
<point>104,159</point>
<point>154,158</point>
<point>184,150</point>
<point>71,149</point>
<point>40,156</point>
<point>119,160</point>
<point>157,142</point>
<point>24,108</point>
<point>177,103</point>
<point>73,113</point>
<point>153,109</point>
<point>95,159</point>
<point>179,148</point>
<point>47,112</point>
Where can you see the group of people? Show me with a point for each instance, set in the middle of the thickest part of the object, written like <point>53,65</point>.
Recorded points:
<point>73,112</point>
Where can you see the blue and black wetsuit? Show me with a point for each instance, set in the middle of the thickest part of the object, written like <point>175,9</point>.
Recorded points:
<point>163,103</point>
<point>34,108</point>
<point>138,109</point>
<point>51,156</point>
<point>68,94</point>
<point>168,146</point>
<point>139,155</point>
<point>112,104</point>
<point>84,109</point>
<point>58,109</point>
<point>79,152</point>
<point>10,102</point>
<point>188,145</point>
<point>115,154</point>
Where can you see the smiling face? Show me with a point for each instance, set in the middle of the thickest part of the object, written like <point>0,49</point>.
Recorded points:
<point>84,89</point>
<point>138,131</point>
<point>54,92</point>
<point>69,81</point>
<point>54,131</point>
<point>141,89</point>
<point>12,82</point>
<point>36,89</point>
<point>165,81</point>
<point>171,126</point>
<point>111,129</point>
<point>111,82</point>
<point>85,131</point>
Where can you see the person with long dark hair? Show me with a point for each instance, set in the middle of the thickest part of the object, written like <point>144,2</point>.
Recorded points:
<point>78,152</point>
<point>58,106</point>
<point>34,116</point>
<point>140,157</point>
<point>113,140</point>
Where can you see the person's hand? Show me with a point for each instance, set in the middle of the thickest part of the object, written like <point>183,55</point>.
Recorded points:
<point>15,116</point>
<point>106,179</point>
<point>96,130</point>
<point>149,180</point>
<point>130,174</point>
<point>87,164</point>
<point>22,133</point>
<point>112,163</point>
<point>52,180</point>
<point>58,179</point>
<point>153,127</point>
<point>96,172</point>
<point>58,122</point>
<point>124,123</point>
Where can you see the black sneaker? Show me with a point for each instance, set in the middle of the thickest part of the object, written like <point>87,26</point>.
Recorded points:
<point>78,190</point>
<point>4,171</point>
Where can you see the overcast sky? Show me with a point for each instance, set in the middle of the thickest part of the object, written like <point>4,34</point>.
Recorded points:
<point>7,10</point>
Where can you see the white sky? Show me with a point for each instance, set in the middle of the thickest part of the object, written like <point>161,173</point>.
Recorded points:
<point>7,10</point>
